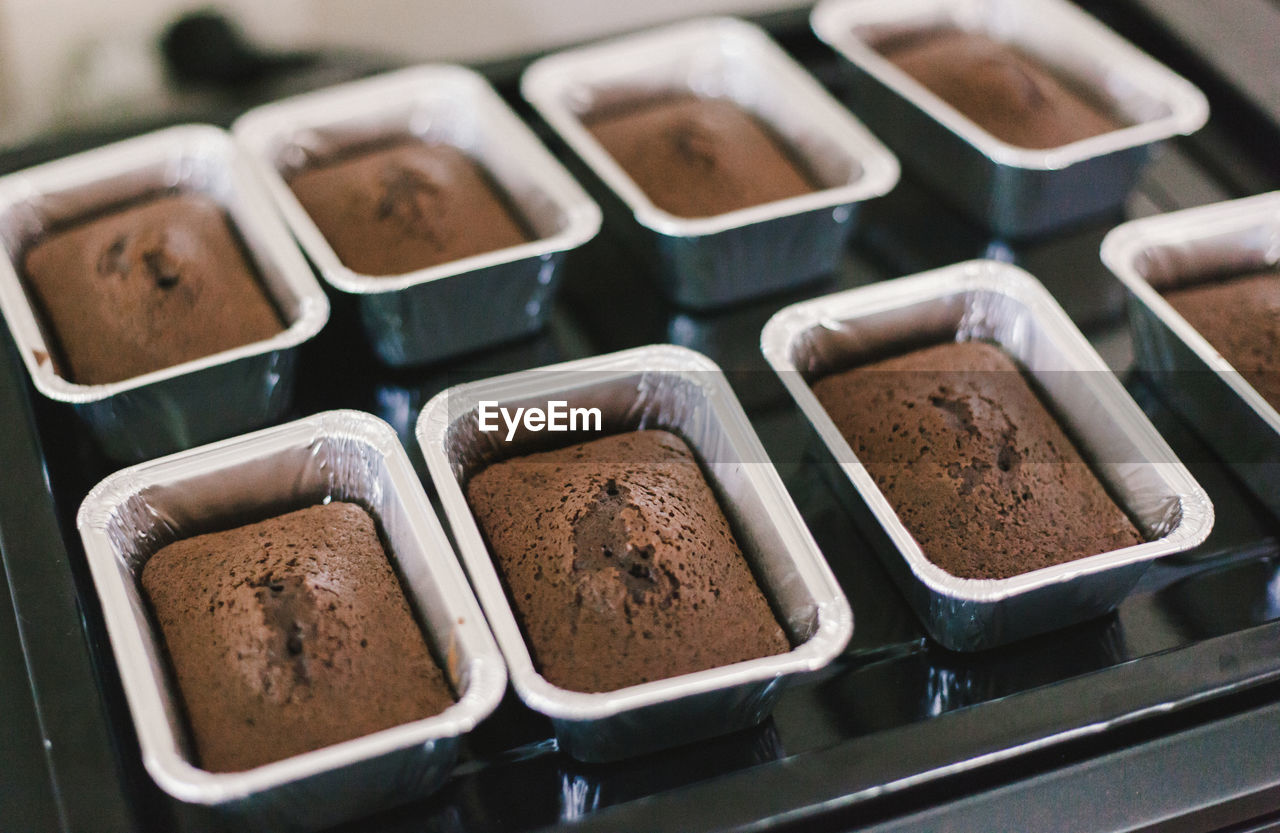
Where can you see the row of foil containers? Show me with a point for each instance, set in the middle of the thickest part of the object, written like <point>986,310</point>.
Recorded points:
<point>350,455</point>
<point>435,313</point>
<point>354,456</point>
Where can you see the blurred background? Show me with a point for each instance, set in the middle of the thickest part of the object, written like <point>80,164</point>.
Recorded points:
<point>74,64</point>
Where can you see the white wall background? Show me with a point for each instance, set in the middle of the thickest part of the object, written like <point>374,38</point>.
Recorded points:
<point>63,60</point>
<point>469,29</point>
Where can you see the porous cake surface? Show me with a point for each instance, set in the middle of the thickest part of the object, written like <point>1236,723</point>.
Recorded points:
<point>405,207</point>
<point>979,471</point>
<point>621,565</point>
<point>698,157</point>
<point>288,635</point>
<point>151,285</point>
<point>1240,317</point>
<point>1003,90</point>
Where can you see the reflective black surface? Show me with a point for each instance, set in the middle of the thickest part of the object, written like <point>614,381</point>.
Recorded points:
<point>894,712</point>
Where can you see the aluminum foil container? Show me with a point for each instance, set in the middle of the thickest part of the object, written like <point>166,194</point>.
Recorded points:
<point>681,391</point>
<point>340,455</point>
<point>1016,191</point>
<point>196,401</point>
<point>452,308</point>
<point>1161,253</point>
<point>1000,303</point>
<point>711,261</point>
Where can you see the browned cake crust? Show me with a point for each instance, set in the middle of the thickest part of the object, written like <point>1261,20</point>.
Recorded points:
<point>975,466</point>
<point>288,635</point>
<point>149,286</point>
<point>1240,317</point>
<point>1003,90</point>
<point>698,157</point>
<point>406,207</point>
<point>621,565</point>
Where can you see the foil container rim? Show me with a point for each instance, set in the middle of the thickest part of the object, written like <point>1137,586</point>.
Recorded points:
<point>260,125</point>
<point>1124,243</point>
<point>539,85</point>
<point>19,311</point>
<point>1197,513</point>
<point>172,771</point>
<point>834,613</point>
<point>833,20</point>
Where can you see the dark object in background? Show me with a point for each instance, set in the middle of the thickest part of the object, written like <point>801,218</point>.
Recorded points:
<point>205,48</point>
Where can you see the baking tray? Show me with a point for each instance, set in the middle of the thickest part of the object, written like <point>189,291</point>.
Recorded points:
<point>895,724</point>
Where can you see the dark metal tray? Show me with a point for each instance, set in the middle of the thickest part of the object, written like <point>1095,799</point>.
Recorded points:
<point>895,724</point>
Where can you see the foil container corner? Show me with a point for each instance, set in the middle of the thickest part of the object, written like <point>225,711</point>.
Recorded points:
<point>999,303</point>
<point>343,455</point>
<point>442,311</point>
<point>189,403</point>
<point>1166,251</point>
<point>1018,192</point>
<point>709,262</point>
<point>682,391</point>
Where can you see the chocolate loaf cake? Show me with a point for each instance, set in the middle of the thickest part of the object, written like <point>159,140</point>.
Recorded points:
<point>620,563</point>
<point>1003,90</point>
<point>698,157</point>
<point>976,467</point>
<point>405,207</point>
<point>146,287</point>
<point>1240,317</point>
<point>288,635</point>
